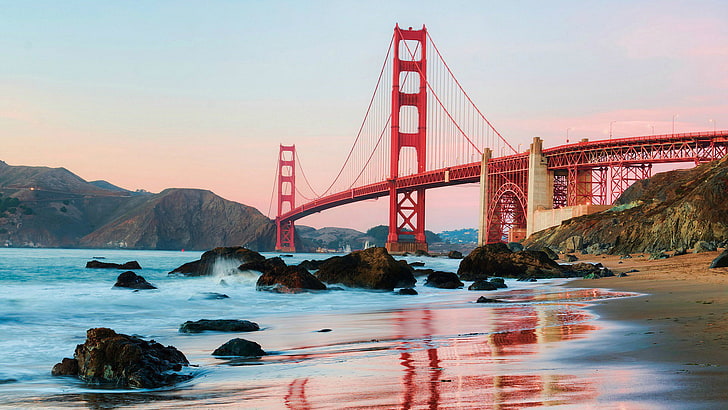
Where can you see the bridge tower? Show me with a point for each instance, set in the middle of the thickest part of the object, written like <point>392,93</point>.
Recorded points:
<point>285,230</point>
<point>407,207</point>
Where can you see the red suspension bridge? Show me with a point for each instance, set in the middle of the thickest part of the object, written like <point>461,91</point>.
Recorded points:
<point>425,132</point>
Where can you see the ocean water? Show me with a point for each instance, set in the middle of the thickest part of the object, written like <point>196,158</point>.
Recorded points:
<point>383,351</point>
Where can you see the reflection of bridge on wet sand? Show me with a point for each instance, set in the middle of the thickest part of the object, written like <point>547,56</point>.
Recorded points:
<point>503,364</point>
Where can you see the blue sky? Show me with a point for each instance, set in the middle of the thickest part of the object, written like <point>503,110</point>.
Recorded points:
<point>164,94</point>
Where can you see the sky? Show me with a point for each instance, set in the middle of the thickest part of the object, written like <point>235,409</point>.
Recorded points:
<point>159,94</point>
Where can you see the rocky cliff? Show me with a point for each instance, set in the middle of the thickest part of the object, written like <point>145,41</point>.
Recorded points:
<point>671,210</point>
<point>52,207</point>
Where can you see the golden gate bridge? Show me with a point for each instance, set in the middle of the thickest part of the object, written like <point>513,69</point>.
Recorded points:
<point>422,131</point>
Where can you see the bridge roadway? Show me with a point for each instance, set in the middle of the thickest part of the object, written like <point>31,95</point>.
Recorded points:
<point>668,148</point>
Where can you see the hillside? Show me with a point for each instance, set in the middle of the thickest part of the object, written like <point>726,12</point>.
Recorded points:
<point>669,211</point>
<point>52,207</point>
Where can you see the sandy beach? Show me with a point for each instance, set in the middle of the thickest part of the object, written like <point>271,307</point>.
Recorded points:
<point>679,324</point>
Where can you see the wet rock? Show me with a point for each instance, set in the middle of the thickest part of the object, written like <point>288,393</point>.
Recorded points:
<point>239,347</point>
<point>218,325</point>
<point>515,246</point>
<point>483,299</point>
<point>114,359</point>
<point>107,265</point>
<point>416,264</point>
<point>131,280</point>
<point>311,265</point>
<point>625,256</point>
<point>570,258</point>
<point>210,296</point>
<point>420,252</point>
<point>679,252</point>
<point>455,255</point>
<point>443,280</point>
<point>323,330</point>
<point>406,291</point>
<point>499,283</point>
<point>482,285</point>
<point>288,279</point>
<point>497,259</point>
<point>586,270</point>
<point>205,265</point>
<point>721,261</point>
<point>67,367</point>
<point>264,266</point>
<point>703,246</point>
<point>371,268</point>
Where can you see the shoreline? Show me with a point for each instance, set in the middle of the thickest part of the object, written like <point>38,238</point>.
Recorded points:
<point>679,324</point>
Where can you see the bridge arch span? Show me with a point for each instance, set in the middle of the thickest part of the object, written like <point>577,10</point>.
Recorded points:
<point>507,213</point>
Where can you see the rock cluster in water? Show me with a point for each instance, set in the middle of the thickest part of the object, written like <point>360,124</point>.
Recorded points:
<point>219,325</point>
<point>119,360</point>
<point>131,265</point>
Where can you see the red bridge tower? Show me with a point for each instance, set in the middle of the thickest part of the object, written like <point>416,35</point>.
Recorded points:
<point>407,207</point>
<point>285,230</point>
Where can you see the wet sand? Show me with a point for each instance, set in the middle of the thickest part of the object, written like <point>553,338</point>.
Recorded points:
<point>680,324</point>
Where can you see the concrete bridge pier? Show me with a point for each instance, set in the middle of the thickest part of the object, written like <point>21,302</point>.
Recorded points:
<point>540,191</point>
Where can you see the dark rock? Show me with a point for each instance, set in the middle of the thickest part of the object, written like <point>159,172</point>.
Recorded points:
<point>455,255</point>
<point>371,268</point>
<point>527,279</point>
<point>323,330</point>
<point>420,252</point>
<point>107,265</point>
<point>406,291</point>
<point>548,251</point>
<point>114,359</point>
<point>497,259</point>
<point>211,296</point>
<point>679,252</point>
<point>703,246</point>
<point>443,280</point>
<point>626,256</point>
<point>416,264</point>
<point>218,325</point>
<point>622,274</point>
<point>239,347</point>
<point>205,265</point>
<point>67,367</point>
<point>584,269</point>
<point>499,283</point>
<point>288,279</point>
<point>483,299</point>
<point>11,380</point>
<point>515,246</point>
<point>264,266</point>
<point>632,271</point>
<point>571,258</point>
<point>482,285</point>
<point>721,261</point>
<point>131,280</point>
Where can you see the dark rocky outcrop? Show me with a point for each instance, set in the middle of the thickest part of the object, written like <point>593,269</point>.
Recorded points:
<point>371,268</point>
<point>218,325</point>
<point>239,347</point>
<point>107,265</point>
<point>570,258</point>
<point>131,280</point>
<point>703,246</point>
<point>671,210</point>
<point>482,285</point>
<point>113,359</point>
<point>406,291</point>
<point>263,266</point>
<point>514,246</point>
<point>288,279</point>
<point>720,261</point>
<point>497,259</point>
<point>455,255</point>
<point>583,269</point>
<point>205,265</point>
<point>499,283</point>
<point>443,280</point>
<point>483,299</point>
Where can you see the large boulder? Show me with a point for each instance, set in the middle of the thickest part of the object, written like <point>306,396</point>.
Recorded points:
<point>219,325</point>
<point>239,347</point>
<point>131,280</point>
<point>573,244</point>
<point>288,279</point>
<point>206,264</point>
<point>443,280</point>
<point>263,266</point>
<point>114,359</point>
<point>482,285</point>
<point>94,264</point>
<point>371,268</point>
<point>497,260</point>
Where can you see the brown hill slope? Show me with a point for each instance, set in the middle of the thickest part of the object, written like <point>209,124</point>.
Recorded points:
<point>668,211</point>
<point>186,219</point>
